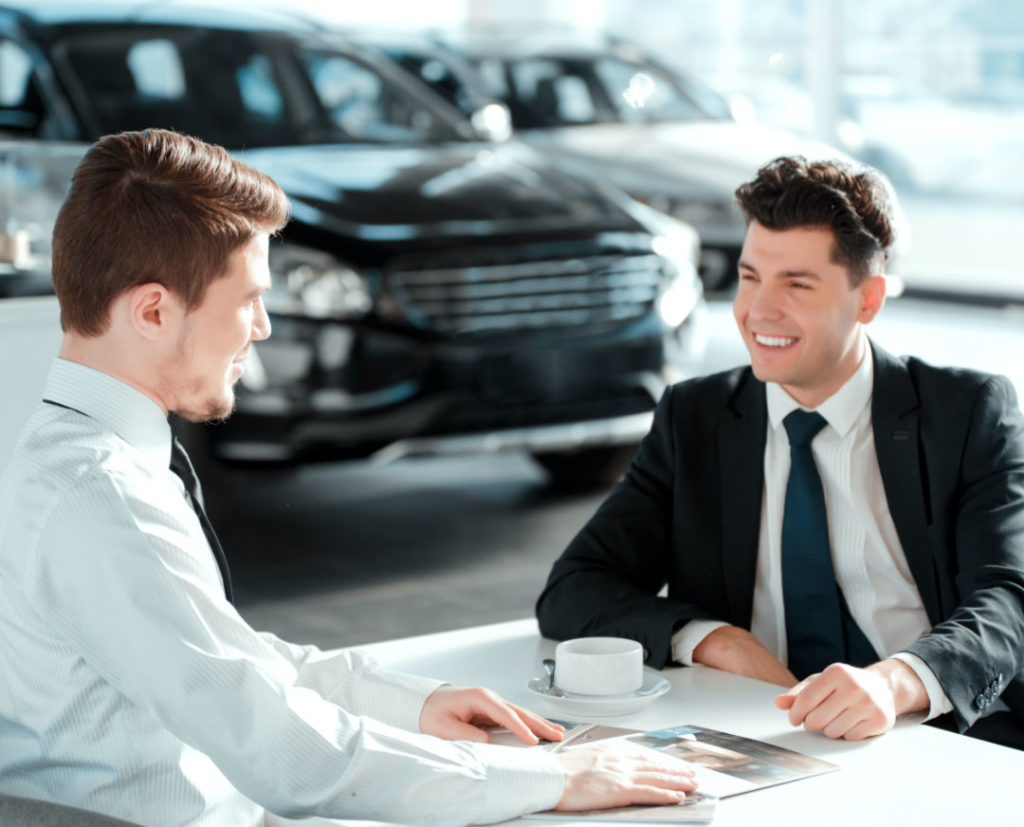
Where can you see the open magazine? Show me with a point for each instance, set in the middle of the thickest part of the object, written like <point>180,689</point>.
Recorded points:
<point>726,765</point>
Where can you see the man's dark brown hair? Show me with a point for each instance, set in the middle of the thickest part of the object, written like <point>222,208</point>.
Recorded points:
<point>154,206</point>
<point>854,204</point>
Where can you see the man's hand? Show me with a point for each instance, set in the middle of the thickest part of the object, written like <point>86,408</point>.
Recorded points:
<point>851,703</point>
<point>597,778</point>
<point>457,714</point>
<point>735,650</point>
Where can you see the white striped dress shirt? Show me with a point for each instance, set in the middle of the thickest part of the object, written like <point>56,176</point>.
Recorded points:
<point>867,556</point>
<point>131,687</point>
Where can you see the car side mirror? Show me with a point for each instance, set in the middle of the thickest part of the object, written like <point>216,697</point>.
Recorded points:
<point>492,122</point>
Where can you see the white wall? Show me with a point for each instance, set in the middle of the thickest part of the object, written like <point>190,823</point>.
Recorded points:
<point>384,13</point>
<point>29,339</point>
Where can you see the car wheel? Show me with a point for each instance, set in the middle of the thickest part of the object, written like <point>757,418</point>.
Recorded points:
<point>587,468</point>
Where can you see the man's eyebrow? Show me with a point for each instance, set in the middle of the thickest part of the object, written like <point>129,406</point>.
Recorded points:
<point>785,274</point>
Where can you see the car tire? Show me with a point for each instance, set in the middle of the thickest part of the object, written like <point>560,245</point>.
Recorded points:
<point>588,468</point>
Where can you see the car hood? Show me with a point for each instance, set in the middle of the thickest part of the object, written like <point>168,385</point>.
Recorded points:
<point>399,193</point>
<point>701,160</point>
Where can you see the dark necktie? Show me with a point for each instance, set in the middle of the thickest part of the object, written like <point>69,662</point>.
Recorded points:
<point>819,627</point>
<point>182,466</point>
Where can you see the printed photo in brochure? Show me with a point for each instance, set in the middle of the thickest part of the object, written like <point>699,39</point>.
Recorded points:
<point>731,764</point>
<point>727,764</point>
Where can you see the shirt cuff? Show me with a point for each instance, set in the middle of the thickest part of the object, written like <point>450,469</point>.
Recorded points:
<point>688,637</point>
<point>520,780</point>
<point>938,703</point>
<point>397,698</point>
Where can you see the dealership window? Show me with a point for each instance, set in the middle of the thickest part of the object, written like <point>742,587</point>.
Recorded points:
<point>930,93</point>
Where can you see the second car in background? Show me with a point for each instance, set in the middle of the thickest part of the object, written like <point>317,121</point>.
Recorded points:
<point>603,104</point>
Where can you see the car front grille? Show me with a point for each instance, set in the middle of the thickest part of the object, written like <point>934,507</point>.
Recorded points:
<point>505,294</point>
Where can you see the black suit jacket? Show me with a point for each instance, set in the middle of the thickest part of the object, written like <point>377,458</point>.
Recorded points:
<point>687,513</point>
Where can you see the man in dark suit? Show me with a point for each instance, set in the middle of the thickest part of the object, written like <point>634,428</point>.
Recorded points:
<point>832,519</point>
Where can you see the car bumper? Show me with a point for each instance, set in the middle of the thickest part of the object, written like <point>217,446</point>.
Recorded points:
<point>413,397</point>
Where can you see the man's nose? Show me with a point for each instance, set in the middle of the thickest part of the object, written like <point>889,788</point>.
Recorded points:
<point>766,303</point>
<point>260,322</point>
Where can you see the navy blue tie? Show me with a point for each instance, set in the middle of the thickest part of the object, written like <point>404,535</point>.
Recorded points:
<point>819,627</point>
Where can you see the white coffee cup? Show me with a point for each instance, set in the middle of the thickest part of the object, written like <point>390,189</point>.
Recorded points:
<point>599,665</point>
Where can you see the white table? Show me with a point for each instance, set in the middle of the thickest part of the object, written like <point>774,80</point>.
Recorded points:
<point>913,775</point>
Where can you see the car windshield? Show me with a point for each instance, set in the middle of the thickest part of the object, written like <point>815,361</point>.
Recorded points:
<point>545,92</point>
<point>439,76</point>
<point>238,89</point>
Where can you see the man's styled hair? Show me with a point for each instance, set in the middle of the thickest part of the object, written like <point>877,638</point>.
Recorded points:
<point>855,205</point>
<point>154,206</point>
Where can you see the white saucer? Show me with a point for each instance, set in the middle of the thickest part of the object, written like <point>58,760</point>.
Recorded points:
<point>653,687</point>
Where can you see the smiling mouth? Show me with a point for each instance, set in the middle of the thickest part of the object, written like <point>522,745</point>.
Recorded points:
<point>774,341</point>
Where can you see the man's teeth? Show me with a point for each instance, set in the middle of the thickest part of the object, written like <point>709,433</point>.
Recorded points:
<point>773,341</point>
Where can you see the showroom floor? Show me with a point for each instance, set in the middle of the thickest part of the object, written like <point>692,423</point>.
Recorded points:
<point>346,554</point>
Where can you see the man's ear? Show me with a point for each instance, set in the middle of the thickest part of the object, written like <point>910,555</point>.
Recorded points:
<point>151,309</point>
<point>872,293</point>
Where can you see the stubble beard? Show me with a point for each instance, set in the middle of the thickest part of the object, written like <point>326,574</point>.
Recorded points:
<point>211,409</point>
<point>191,404</point>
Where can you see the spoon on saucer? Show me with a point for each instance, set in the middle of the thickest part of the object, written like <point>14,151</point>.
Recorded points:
<point>551,689</point>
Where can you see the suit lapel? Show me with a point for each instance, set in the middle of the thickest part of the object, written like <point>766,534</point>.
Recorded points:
<point>741,442</point>
<point>895,417</point>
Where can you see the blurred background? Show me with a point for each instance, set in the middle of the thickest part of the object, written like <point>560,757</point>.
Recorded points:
<point>512,229</point>
<point>932,93</point>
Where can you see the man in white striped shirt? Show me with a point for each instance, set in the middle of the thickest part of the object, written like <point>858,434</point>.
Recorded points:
<point>130,685</point>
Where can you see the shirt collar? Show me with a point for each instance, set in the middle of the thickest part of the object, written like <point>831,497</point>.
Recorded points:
<point>841,410</point>
<point>129,413</point>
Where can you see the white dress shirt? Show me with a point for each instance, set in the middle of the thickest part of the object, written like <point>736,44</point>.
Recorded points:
<point>130,686</point>
<point>870,566</point>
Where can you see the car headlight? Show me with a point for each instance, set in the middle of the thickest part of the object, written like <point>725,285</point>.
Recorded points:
<point>679,244</point>
<point>675,240</point>
<point>677,300</point>
<point>315,284</point>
